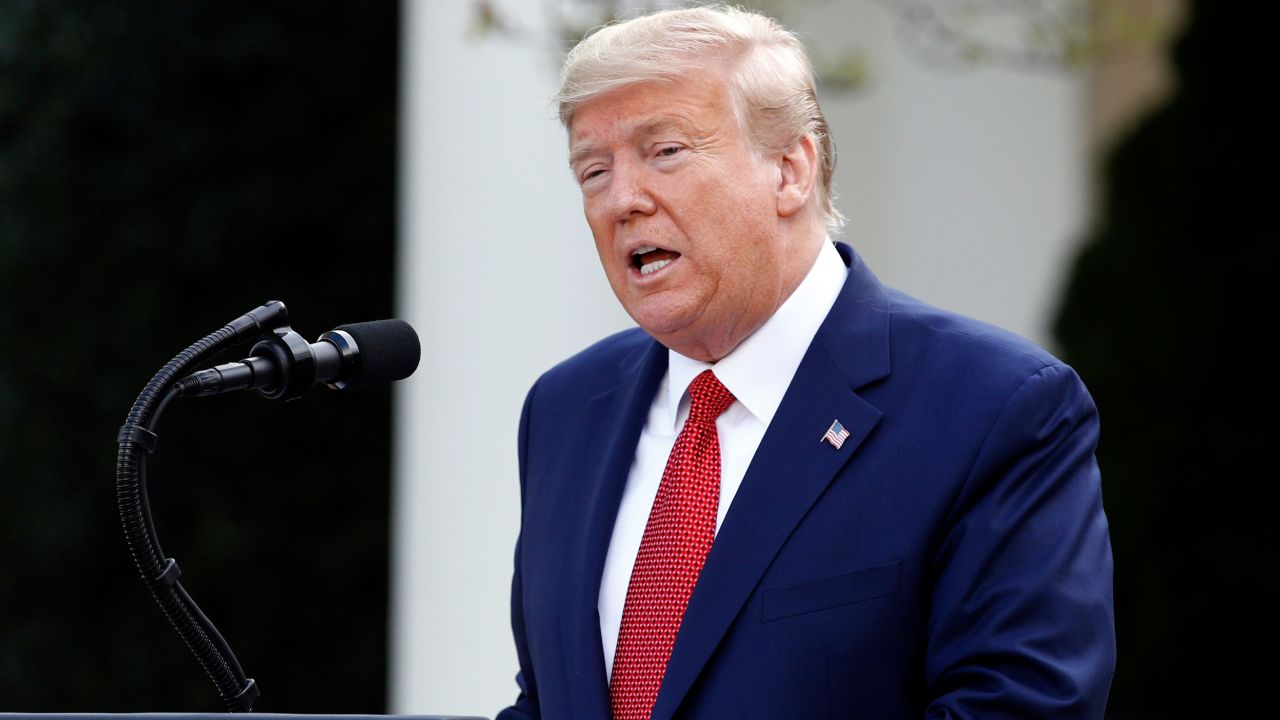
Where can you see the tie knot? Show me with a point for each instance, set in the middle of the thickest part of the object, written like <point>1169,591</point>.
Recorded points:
<point>708,398</point>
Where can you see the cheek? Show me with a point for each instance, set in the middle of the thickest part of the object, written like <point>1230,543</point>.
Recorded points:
<point>602,233</point>
<point>613,270</point>
<point>745,198</point>
<point>591,211</point>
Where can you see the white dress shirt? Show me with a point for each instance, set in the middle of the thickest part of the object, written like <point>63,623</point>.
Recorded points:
<point>758,373</point>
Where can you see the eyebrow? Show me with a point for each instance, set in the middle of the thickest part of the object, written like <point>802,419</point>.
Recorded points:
<point>580,152</point>
<point>643,127</point>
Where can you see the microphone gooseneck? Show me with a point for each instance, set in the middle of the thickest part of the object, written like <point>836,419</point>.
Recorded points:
<point>137,440</point>
<point>282,365</point>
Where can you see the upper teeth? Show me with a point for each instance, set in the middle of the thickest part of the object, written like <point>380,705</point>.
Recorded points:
<point>643,250</point>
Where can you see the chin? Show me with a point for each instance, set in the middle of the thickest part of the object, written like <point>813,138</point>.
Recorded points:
<point>658,323</point>
<point>659,327</point>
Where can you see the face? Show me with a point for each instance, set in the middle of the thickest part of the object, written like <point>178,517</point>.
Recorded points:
<point>685,215</point>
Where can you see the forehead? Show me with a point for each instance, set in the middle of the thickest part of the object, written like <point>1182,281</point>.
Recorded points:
<point>696,103</point>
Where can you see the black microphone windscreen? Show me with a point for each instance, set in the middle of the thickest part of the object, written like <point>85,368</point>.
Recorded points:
<point>389,351</point>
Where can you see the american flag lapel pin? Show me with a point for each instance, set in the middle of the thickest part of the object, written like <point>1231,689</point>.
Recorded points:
<point>836,435</point>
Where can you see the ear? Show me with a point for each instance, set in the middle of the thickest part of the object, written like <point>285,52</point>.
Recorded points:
<point>798,176</point>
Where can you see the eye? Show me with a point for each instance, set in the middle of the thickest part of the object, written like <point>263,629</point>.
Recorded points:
<point>667,150</point>
<point>591,173</point>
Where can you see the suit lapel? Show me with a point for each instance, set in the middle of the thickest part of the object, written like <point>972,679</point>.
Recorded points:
<point>615,419</point>
<point>791,469</point>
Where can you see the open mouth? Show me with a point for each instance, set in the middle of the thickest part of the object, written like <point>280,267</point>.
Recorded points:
<point>650,259</point>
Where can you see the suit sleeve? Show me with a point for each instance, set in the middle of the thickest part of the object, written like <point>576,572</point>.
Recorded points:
<point>526,705</point>
<point>1021,623</point>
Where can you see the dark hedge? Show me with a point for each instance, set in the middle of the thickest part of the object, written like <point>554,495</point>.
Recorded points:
<point>165,167</point>
<point>1167,319</point>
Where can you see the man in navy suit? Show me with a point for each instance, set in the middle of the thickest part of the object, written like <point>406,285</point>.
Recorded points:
<point>901,506</point>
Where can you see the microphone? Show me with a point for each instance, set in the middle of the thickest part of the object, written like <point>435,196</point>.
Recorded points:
<point>285,366</point>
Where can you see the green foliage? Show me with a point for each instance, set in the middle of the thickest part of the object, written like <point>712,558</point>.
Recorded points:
<point>1164,320</point>
<point>163,168</point>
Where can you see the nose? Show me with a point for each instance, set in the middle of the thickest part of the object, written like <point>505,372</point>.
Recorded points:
<point>629,194</point>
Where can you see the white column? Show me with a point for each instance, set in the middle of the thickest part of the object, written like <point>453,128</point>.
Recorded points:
<point>964,186</point>
<point>497,271</point>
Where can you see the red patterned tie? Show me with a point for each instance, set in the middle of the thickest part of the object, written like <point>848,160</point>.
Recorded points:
<point>676,540</point>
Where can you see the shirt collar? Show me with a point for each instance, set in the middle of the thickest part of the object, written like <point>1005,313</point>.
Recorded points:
<point>760,369</point>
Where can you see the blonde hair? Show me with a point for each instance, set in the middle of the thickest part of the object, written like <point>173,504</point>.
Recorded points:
<point>770,76</point>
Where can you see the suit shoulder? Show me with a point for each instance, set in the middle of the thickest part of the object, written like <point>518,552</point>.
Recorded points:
<point>924,334</point>
<point>597,367</point>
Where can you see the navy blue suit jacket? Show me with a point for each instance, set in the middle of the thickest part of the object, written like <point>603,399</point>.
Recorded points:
<point>951,560</point>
